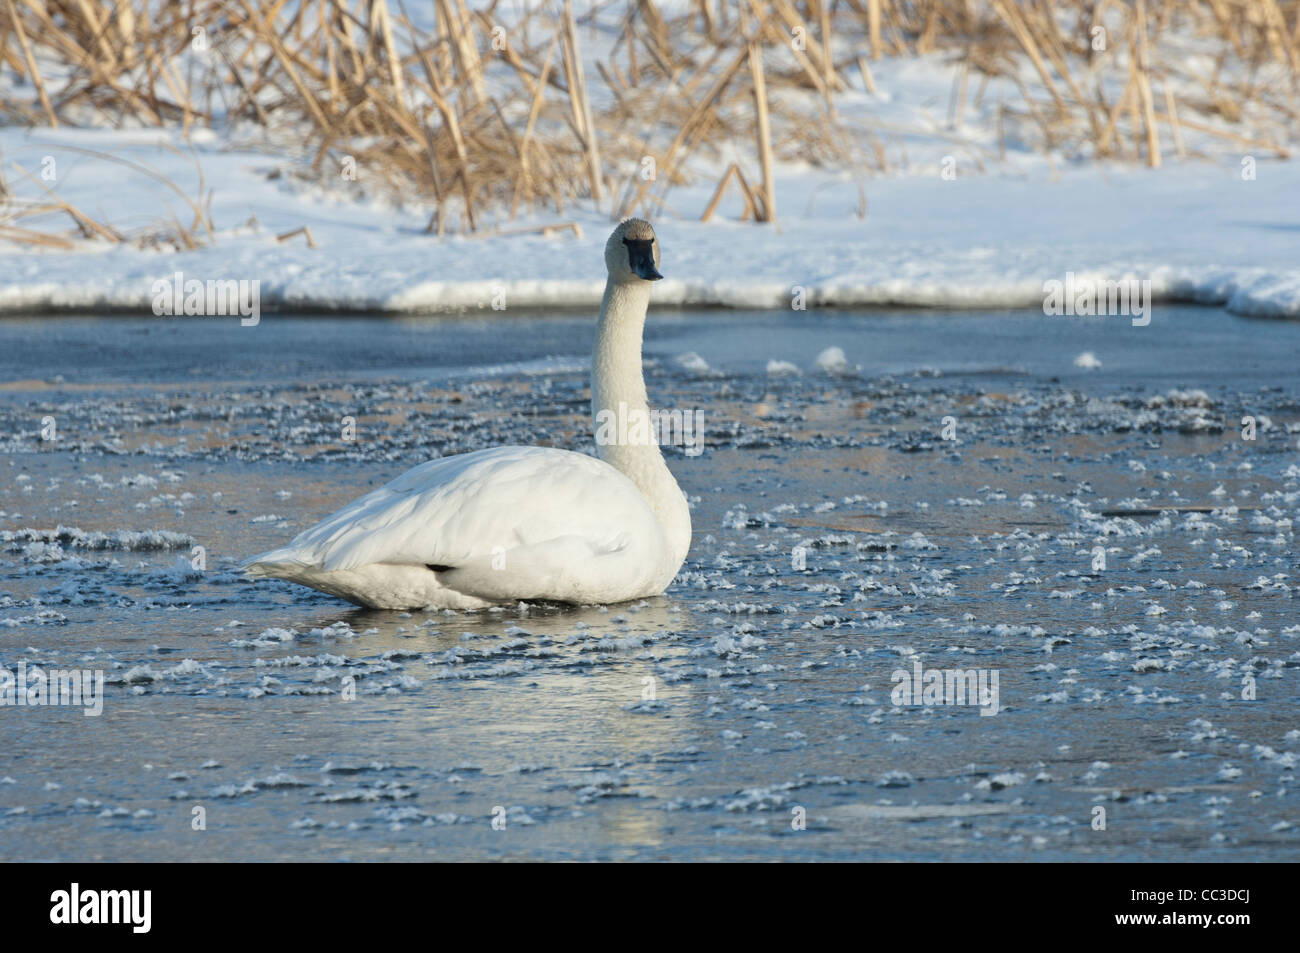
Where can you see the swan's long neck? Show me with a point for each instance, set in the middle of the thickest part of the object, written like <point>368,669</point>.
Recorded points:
<point>618,394</point>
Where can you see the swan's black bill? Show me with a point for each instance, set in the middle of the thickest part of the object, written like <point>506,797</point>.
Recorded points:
<point>641,258</point>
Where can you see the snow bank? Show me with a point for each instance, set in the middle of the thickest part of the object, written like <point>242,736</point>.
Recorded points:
<point>1197,230</point>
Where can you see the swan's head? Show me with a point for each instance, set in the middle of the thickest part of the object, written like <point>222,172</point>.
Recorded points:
<point>632,252</point>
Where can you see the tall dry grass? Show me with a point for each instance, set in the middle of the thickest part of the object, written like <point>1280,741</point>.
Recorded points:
<point>484,115</point>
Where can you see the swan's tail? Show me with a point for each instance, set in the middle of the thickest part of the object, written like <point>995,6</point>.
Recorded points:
<point>283,563</point>
<point>373,586</point>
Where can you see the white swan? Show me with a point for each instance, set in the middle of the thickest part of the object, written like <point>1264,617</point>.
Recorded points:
<point>520,523</point>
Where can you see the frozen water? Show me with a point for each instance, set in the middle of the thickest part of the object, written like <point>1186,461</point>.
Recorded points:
<point>1101,539</point>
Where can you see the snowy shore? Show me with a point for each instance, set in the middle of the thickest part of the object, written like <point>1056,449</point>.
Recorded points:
<point>1197,229</point>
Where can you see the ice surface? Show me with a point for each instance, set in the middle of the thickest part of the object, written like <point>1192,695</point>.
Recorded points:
<point>693,725</point>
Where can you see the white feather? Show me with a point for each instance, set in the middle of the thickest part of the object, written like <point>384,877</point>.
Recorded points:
<point>514,523</point>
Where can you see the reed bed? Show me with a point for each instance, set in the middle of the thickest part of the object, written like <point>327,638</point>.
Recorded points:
<point>481,113</point>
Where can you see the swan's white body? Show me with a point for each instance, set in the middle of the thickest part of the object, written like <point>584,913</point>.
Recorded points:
<point>512,523</point>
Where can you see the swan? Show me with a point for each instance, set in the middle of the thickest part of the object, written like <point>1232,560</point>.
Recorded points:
<point>521,523</point>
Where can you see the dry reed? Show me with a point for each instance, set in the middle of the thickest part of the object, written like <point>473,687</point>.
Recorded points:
<point>482,118</point>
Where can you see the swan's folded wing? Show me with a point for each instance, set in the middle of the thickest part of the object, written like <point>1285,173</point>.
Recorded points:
<point>464,510</point>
